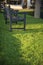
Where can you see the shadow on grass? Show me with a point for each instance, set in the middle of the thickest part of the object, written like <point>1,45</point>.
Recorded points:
<point>32,20</point>
<point>10,50</point>
<point>28,30</point>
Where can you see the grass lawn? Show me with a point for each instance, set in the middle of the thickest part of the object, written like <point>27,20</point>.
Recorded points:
<point>21,47</point>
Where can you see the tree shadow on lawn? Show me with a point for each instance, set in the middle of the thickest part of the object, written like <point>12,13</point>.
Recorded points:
<point>10,50</point>
<point>32,20</point>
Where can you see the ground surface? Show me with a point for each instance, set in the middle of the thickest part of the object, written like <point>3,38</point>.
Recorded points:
<point>21,47</point>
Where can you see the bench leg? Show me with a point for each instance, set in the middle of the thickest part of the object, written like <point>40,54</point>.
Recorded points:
<point>10,25</point>
<point>5,20</point>
<point>24,22</point>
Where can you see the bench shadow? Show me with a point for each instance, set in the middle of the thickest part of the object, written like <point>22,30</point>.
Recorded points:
<point>27,31</point>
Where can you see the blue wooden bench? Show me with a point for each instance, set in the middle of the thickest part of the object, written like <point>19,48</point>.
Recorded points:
<point>14,16</point>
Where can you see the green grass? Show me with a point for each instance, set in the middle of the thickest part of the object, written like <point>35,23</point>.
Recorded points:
<point>21,47</point>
